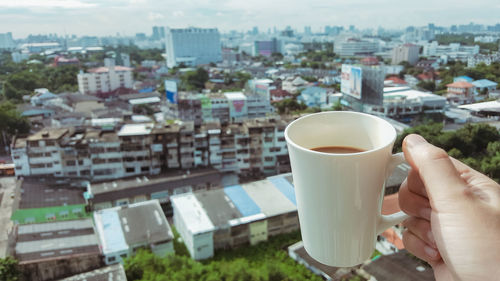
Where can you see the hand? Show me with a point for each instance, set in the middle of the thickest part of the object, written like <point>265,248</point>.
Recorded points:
<point>455,214</point>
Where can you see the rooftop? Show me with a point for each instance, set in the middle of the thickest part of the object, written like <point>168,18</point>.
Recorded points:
<point>460,84</point>
<point>135,129</point>
<point>124,226</point>
<point>104,69</point>
<point>109,273</point>
<point>56,240</point>
<point>400,264</point>
<point>235,96</point>
<point>38,195</point>
<point>192,212</point>
<point>48,134</point>
<point>483,106</point>
<point>144,100</point>
<point>484,83</point>
<point>225,210</point>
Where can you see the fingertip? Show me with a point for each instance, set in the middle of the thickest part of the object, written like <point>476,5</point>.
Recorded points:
<point>413,140</point>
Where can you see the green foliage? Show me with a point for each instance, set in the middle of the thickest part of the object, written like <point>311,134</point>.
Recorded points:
<point>22,83</point>
<point>447,38</point>
<point>481,71</point>
<point>179,247</point>
<point>289,105</point>
<point>477,145</point>
<point>138,55</point>
<point>11,121</point>
<point>427,85</point>
<point>194,80</point>
<point>265,261</point>
<point>9,270</point>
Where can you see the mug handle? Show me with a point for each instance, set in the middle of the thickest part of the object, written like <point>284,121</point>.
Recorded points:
<point>386,221</point>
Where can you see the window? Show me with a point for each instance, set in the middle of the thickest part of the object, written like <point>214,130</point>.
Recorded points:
<point>268,159</point>
<point>98,161</point>
<point>70,163</point>
<point>85,172</point>
<point>145,169</point>
<point>72,174</point>
<point>130,170</point>
<point>80,162</point>
<point>49,165</point>
<point>111,259</point>
<point>16,157</point>
<point>50,143</point>
<point>281,139</point>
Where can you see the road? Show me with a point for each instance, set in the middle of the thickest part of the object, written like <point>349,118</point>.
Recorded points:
<point>7,188</point>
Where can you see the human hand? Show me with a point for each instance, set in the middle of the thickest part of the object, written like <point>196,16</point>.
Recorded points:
<point>455,214</point>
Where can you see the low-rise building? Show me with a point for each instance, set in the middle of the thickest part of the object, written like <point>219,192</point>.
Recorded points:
<point>473,61</point>
<point>53,250</point>
<point>484,86</point>
<point>235,215</point>
<point>125,229</point>
<point>135,190</point>
<point>41,202</point>
<point>460,92</point>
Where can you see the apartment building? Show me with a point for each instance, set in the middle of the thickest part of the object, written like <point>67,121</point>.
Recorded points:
<point>254,147</point>
<point>355,47</point>
<point>222,107</point>
<point>192,46</point>
<point>406,52</point>
<point>454,50</point>
<point>235,215</point>
<point>105,79</point>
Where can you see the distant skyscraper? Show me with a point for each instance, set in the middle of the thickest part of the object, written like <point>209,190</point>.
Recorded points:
<point>158,32</point>
<point>406,52</point>
<point>307,30</point>
<point>255,30</point>
<point>193,46</point>
<point>6,41</point>
<point>352,28</point>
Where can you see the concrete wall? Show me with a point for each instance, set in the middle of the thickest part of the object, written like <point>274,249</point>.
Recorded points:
<point>50,270</point>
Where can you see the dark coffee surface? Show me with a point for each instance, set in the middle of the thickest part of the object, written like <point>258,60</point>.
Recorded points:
<point>338,149</point>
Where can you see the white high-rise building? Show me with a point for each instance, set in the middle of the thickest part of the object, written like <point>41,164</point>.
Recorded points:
<point>193,46</point>
<point>6,41</point>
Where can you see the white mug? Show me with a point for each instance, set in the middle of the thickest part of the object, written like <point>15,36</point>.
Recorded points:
<point>339,196</point>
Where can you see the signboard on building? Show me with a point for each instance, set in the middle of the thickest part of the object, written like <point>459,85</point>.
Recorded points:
<point>171,90</point>
<point>237,105</point>
<point>206,107</point>
<point>350,83</point>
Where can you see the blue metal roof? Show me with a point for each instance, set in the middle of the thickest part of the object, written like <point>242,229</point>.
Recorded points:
<point>285,187</point>
<point>484,83</point>
<point>242,200</point>
<point>114,240</point>
<point>463,78</point>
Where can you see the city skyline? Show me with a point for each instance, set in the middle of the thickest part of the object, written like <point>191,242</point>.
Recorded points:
<point>93,17</point>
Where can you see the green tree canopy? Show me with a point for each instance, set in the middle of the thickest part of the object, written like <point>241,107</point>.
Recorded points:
<point>9,270</point>
<point>194,80</point>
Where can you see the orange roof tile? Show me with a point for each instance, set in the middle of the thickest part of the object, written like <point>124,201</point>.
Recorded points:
<point>461,84</point>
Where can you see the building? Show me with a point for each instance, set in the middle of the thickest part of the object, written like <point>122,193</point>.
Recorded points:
<point>105,79</point>
<point>236,215</point>
<point>266,48</point>
<point>362,87</point>
<point>48,201</point>
<point>18,57</point>
<point>406,52</point>
<point>398,264</point>
<point>473,61</point>
<point>123,230</point>
<point>350,47</point>
<point>6,41</point>
<point>314,97</point>
<point>484,86</point>
<point>193,46</point>
<point>114,272</point>
<point>146,149</point>
<point>463,78</point>
<point>53,250</point>
<point>223,107</point>
<point>460,92</point>
<point>453,51</point>
<point>486,109</point>
<point>158,33</point>
<point>403,103</point>
<point>135,190</point>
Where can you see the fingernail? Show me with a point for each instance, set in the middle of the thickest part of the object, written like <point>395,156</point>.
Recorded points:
<point>414,140</point>
<point>430,252</point>
<point>426,213</point>
<point>431,238</point>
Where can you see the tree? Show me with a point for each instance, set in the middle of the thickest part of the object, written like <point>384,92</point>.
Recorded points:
<point>11,121</point>
<point>22,83</point>
<point>288,106</point>
<point>194,80</point>
<point>427,85</point>
<point>9,270</point>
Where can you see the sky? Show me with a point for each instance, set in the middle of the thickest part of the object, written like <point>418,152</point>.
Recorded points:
<point>127,17</point>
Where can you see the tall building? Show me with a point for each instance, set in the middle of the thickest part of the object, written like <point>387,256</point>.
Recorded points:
<point>158,32</point>
<point>105,79</point>
<point>6,41</point>
<point>362,86</point>
<point>266,48</point>
<point>193,46</point>
<point>406,52</point>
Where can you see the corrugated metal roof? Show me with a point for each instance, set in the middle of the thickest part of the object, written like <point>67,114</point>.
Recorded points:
<point>241,200</point>
<point>110,231</point>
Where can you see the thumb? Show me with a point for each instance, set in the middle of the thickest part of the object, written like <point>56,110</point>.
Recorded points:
<point>436,170</point>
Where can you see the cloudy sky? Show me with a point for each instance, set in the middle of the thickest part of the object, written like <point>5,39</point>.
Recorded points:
<point>107,17</point>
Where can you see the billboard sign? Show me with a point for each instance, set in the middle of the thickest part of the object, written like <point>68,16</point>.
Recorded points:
<point>171,90</point>
<point>350,83</point>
